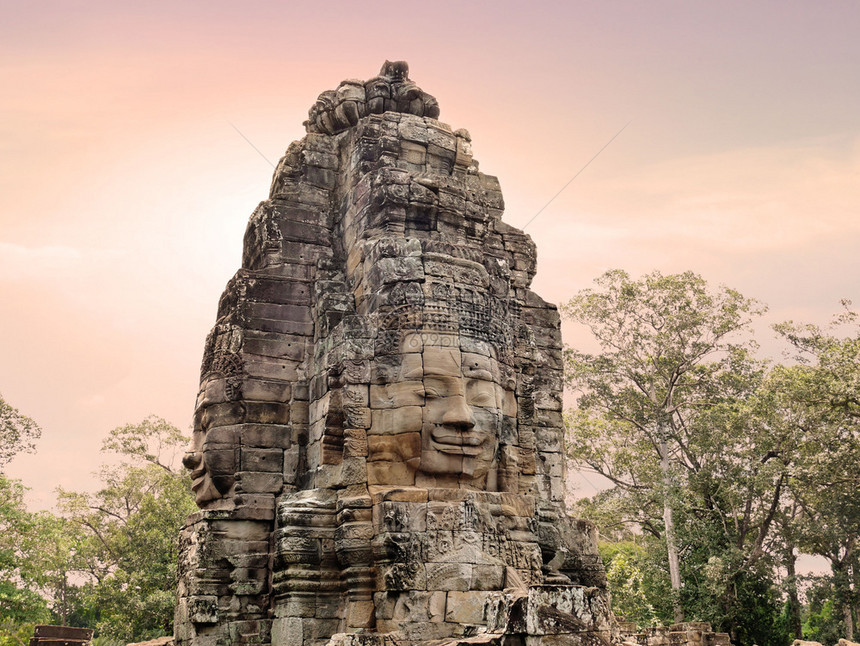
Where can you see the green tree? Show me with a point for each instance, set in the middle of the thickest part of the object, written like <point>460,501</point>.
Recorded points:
<point>21,605</point>
<point>670,350</point>
<point>56,562</point>
<point>18,433</point>
<point>131,529</point>
<point>632,581</point>
<point>821,620</point>
<point>825,388</point>
<point>152,441</point>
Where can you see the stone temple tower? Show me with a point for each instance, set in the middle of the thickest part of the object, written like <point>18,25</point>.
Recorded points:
<point>378,440</point>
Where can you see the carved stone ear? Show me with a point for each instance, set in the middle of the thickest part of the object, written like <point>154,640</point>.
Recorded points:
<point>240,411</point>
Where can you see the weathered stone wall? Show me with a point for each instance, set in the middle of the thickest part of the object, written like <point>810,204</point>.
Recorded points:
<point>691,633</point>
<point>378,436</point>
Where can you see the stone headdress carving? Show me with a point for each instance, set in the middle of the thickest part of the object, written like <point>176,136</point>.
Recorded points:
<point>391,91</point>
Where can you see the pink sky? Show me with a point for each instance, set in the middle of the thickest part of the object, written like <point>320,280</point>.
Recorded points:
<point>124,190</point>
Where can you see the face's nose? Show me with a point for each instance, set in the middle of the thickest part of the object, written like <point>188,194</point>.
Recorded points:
<point>192,460</point>
<point>193,454</point>
<point>458,414</point>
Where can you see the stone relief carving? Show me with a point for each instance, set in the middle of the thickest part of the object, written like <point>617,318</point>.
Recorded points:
<point>377,447</point>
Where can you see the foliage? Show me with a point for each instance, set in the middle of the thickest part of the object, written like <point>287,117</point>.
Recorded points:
<point>131,527</point>
<point>153,441</point>
<point>21,604</point>
<point>633,582</point>
<point>57,568</point>
<point>13,633</point>
<point>663,413</point>
<point>732,463</point>
<point>825,387</point>
<point>109,559</point>
<point>18,433</point>
<point>835,358</point>
<point>20,601</point>
<point>821,620</point>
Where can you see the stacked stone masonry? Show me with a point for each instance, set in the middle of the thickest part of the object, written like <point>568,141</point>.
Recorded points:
<point>47,635</point>
<point>691,633</point>
<point>378,447</point>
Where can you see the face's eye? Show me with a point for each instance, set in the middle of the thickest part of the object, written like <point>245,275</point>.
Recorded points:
<point>482,399</point>
<point>481,393</point>
<point>202,420</point>
<point>222,414</point>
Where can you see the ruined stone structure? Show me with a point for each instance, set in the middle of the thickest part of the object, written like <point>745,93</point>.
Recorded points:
<point>690,633</point>
<point>377,448</point>
<point>46,635</point>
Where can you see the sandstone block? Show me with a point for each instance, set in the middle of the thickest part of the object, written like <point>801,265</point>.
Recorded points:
<point>397,395</point>
<point>465,607</point>
<point>449,576</point>
<point>287,630</point>
<point>407,419</point>
<point>263,460</point>
<point>487,577</point>
<point>390,473</point>
<point>354,442</point>
<point>260,482</point>
<point>357,417</point>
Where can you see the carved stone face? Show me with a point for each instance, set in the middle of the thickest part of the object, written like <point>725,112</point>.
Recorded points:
<point>211,456</point>
<point>439,411</point>
<point>462,412</point>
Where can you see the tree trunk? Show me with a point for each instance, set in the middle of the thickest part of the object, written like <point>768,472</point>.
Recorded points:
<point>671,544</point>
<point>855,577</point>
<point>793,598</point>
<point>842,590</point>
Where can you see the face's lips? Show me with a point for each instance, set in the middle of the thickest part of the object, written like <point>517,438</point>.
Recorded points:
<point>454,449</point>
<point>198,477</point>
<point>454,443</point>
<point>203,488</point>
<point>445,436</point>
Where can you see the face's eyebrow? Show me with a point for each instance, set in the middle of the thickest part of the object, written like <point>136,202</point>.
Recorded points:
<point>415,373</point>
<point>478,373</point>
<point>443,386</point>
<point>476,366</point>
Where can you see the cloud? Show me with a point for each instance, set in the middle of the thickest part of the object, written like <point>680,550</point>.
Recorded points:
<point>738,201</point>
<point>52,263</point>
<point>19,262</point>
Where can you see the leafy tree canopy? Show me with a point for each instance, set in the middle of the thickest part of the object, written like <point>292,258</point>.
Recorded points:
<point>131,530</point>
<point>18,433</point>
